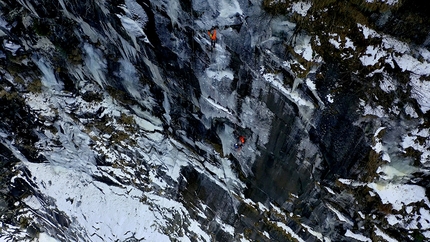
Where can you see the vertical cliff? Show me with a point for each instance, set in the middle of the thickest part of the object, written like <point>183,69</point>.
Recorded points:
<point>121,123</point>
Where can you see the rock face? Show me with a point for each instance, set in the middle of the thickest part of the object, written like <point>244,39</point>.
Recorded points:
<point>120,123</point>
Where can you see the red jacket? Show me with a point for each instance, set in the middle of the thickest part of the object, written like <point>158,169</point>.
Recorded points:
<point>212,35</point>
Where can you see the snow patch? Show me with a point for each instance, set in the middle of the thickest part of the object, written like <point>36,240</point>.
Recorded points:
<point>303,47</point>
<point>408,63</point>
<point>97,207</point>
<point>378,147</point>
<point>318,235</point>
<point>388,2</point>
<point>377,111</point>
<point>409,110</point>
<point>44,237</point>
<point>301,7</point>
<point>330,98</point>
<point>289,231</point>
<point>358,237</point>
<point>411,140</point>
<point>337,42</point>
<point>418,219</point>
<point>398,46</point>
<point>399,195</point>
<point>380,233</point>
<point>387,84</point>
<point>372,55</point>
<point>339,215</point>
<point>367,32</point>
<point>350,182</point>
<point>420,91</point>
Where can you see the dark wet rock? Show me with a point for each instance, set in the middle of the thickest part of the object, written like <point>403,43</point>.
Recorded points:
<point>219,201</point>
<point>409,22</point>
<point>290,171</point>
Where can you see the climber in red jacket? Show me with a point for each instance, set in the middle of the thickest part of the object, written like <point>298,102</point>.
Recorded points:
<point>212,36</point>
<point>240,143</point>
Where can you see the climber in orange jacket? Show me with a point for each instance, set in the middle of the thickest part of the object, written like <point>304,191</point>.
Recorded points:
<point>238,145</point>
<point>212,36</point>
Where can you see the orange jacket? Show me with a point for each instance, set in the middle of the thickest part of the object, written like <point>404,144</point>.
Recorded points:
<point>212,35</point>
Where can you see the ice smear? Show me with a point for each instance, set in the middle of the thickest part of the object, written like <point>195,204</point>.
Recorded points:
<point>136,12</point>
<point>29,6</point>
<point>399,195</point>
<point>306,107</point>
<point>358,237</point>
<point>127,51</point>
<point>395,170</point>
<point>256,115</point>
<point>134,21</point>
<point>219,75</point>
<point>229,8</point>
<point>48,79</point>
<point>130,78</point>
<point>221,13</point>
<point>227,139</point>
<point>73,140</point>
<point>166,106</point>
<point>4,24</point>
<point>133,29</point>
<point>96,64</point>
<point>89,30</point>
